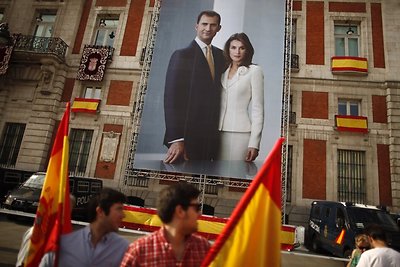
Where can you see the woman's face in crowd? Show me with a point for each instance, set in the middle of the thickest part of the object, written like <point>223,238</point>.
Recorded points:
<point>237,51</point>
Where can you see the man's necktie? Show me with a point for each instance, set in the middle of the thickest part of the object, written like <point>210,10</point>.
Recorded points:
<point>210,61</point>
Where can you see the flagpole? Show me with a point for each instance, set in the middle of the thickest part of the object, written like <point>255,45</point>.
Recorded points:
<point>202,188</point>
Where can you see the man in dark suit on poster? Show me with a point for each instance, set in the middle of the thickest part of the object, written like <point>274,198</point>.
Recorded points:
<point>192,95</point>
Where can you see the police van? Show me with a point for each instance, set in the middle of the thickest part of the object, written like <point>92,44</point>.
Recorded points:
<point>26,197</point>
<point>333,225</point>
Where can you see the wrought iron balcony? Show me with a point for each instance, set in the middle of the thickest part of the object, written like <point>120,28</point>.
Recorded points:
<point>42,45</point>
<point>294,62</point>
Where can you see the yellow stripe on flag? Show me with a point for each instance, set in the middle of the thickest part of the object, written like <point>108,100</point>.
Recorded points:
<point>351,123</point>
<point>85,105</point>
<point>350,63</point>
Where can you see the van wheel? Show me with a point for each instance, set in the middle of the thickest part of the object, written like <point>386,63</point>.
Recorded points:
<point>315,244</point>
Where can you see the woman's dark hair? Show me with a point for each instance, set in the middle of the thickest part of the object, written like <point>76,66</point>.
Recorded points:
<point>181,194</point>
<point>244,39</point>
<point>104,200</point>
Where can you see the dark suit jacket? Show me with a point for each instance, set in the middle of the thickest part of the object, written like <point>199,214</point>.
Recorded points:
<point>192,100</point>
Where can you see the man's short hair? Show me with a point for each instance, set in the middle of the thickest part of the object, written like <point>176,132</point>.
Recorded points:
<point>171,196</point>
<point>209,13</point>
<point>376,232</point>
<point>104,200</point>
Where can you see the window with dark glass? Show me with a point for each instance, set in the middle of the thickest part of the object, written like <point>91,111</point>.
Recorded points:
<point>351,176</point>
<point>79,150</point>
<point>349,107</point>
<point>11,143</point>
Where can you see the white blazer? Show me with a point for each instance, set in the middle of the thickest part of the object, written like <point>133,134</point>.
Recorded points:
<point>237,115</point>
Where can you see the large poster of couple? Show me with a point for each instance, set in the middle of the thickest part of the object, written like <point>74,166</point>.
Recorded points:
<point>213,102</point>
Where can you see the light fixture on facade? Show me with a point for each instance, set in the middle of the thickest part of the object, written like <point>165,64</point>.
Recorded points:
<point>103,23</point>
<point>39,18</point>
<point>111,35</point>
<point>350,30</point>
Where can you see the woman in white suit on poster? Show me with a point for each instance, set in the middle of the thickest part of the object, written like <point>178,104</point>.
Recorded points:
<point>242,102</point>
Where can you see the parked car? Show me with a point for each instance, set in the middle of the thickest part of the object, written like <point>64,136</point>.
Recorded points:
<point>333,225</point>
<point>10,179</point>
<point>26,197</point>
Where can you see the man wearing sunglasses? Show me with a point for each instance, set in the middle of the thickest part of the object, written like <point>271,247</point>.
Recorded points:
<point>175,244</point>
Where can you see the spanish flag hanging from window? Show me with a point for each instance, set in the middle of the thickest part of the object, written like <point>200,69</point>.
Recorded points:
<point>252,235</point>
<point>53,216</point>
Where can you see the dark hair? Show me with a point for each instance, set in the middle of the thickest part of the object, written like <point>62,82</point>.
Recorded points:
<point>244,39</point>
<point>180,193</point>
<point>209,13</point>
<point>104,200</point>
<point>376,232</point>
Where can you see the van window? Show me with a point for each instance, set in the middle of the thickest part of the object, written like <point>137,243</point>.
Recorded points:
<point>95,187</point>
<point>35,181</point>
<point>362,217</point>
<point>71,185</point>
<point>327,212</point>
<point>83,187</point>
<point>317,212</point>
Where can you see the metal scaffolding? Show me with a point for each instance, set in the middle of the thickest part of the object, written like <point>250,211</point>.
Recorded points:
<point>286,101</point>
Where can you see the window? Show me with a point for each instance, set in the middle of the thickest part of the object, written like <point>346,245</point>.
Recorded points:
<point>92,92</point>
<point>327,212</point>
<point>95,187</point>
<point>80,141</point>
<point>11,143</point>
<point>347,40</point>
<point>83,187</point>
<point>146,35</point>
<point>349,107</point>
<point>1,15</point>
<point>105,31</point>
<point>45,24</point>
<point>351,176</point>
<point>71,185</point>
<point>294,33</point>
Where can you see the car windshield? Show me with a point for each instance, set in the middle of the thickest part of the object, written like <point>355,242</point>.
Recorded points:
<point>35,181</point>
<point>361,217</point>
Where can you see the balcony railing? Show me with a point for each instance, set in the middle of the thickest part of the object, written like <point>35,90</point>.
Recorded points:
<point>44,45</point>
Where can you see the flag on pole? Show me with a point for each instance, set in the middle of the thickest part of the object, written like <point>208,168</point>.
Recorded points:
<point>252,235</point>
<point>53,215</point>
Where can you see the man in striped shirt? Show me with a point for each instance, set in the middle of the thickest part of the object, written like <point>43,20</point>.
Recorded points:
<point>175,244</point>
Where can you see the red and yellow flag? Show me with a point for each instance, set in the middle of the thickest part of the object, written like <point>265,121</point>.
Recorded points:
<point>53,216</point>
<point>252,235</point>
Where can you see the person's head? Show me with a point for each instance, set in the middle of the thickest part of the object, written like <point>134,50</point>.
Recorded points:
<point>375,234</point>
<point>207,26</point>
<point>238,49</point>
<point>179,203</point>
<point>107,208</point>
<point>362,242</point>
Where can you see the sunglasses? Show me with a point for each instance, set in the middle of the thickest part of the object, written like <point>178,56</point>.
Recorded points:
<point>196,206</point>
